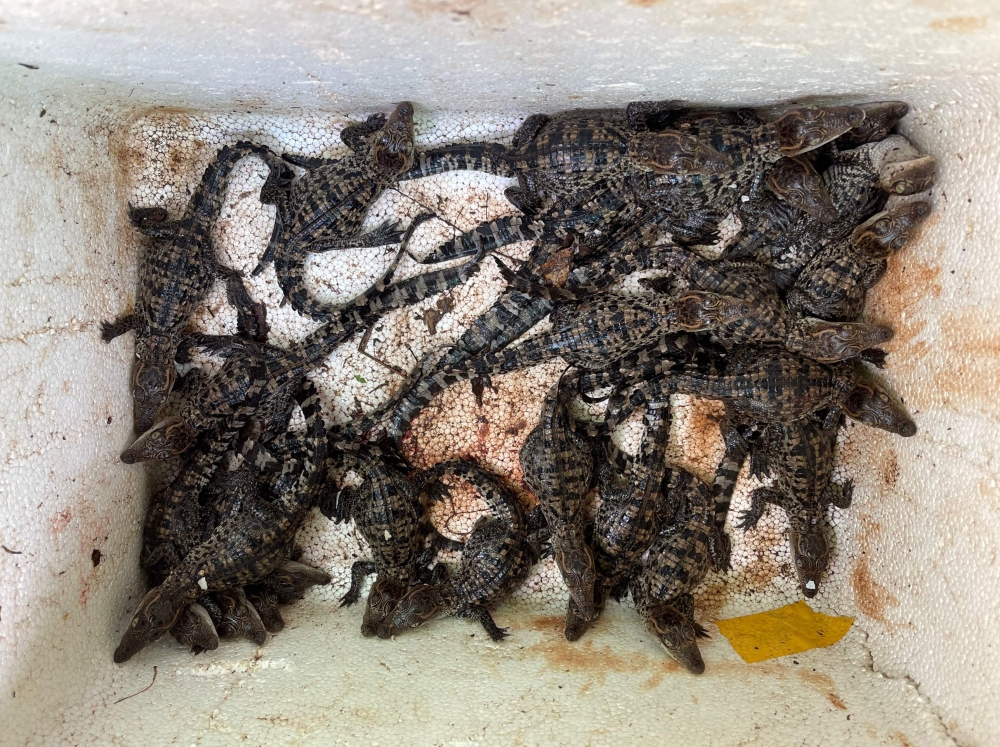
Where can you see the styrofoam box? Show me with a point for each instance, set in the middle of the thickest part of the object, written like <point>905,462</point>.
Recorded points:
<point>106,104</point>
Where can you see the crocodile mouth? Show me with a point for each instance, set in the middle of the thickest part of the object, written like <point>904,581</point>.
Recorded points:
<point>886,233</point>
<point>909,177</point>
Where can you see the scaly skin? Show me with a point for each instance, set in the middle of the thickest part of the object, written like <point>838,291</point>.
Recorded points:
<point>241,550</point>
<point>794,190</point>
<point>857,181</point>
<point>629,516</point>
<point>558,466</point>
<point>752,150</point>
<point>769,384</point>
<point>556,157</point>
<point>737,303</point>
<point>800,457</point>
<point>680,557</point>
<point>175,278</point>
<point>835,282</point>
<point>326,208</point>
<point>880,119</point>
<point>284,371</point>
<point>387,512</point>
<point>495,560</point>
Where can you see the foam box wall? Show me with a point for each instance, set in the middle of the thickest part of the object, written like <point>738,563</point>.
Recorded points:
<point>128,103</point>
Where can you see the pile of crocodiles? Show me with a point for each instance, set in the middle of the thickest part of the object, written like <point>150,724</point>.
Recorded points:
<point>768,321</point>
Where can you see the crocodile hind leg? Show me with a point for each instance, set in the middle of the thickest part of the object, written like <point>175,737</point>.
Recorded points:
<point>494,631</point>
<point>251,316</point>
<point>361,570</point>
<point>529,129</point>
<point>841,495</point>
<point>758,503</point>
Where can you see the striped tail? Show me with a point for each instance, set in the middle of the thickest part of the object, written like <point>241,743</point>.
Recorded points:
<point>724,483</point>
<point>488,157</point>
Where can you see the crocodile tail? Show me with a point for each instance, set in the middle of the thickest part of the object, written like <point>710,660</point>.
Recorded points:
<point>488,157</point>
<point>724,484</point>
<point>500,499</point>
<point>516,282</point>
<point>491,234</point>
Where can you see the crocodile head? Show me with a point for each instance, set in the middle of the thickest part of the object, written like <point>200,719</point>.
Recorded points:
<point>805,128</point>
<point>796,182</point>
<point>165,439</point>
<point>194,628</point>
<point>152,379</point>
<point>810,553</point>
<point>830,342</point>
<point>870,404</point>
<point>575,561</point>
<point>381,601</point>
<point>880,118</point>
<point>698,311</point>
<point>887,232</point>
<point>908,177</point>
<point>672,152</point>
<point>394,143</point>
<point>155,616</point>
<point>420,604</point>
<point>678,633</point>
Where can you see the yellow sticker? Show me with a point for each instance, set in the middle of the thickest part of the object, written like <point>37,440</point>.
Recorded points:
<point>787,630</point>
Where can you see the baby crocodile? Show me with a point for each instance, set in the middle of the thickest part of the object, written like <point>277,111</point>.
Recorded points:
<point>752,149</point>
<point>174,280</point>
<point>555,157</point>
<point>325,208</point>
<point>834,283</point>
<point>241,550</point>
<point>195,628</point>
<point>284,585</point>
<point>800,456</point>
<point>680,557</point>
<point>770,384</point>
<point>558,466</point>
<point>495,560</point>
<point>857,181</point>
<point>387,511</point>
<point>880,119</point>
<point>793,189</point>
<point>629,515</point>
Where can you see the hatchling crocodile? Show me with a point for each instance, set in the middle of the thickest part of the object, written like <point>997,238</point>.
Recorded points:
<point>495,560</point>
<point>555,157</point>
<point>326,207</point>
<point>680,557</point>
<point>835,282</point>
<point>241,550</point>
<point>736,302</point>
<point>387,510</point>
<point>175,278</point>
<point>770,384</point>
<point>628,518</point>
<point>558,465</point>
<point>858,182</point>
<point>799,455</point>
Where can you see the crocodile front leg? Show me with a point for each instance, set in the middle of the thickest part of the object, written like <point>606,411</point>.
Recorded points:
<point>361,570</point>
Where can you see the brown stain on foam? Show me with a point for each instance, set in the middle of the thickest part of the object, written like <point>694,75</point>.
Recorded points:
<point>897,300</point>
<point>824,684</point>
<point>594,660</point>
<point>901,738</point>
<point>872,598</point>
<point>968,375</point>
<point>959,24</point>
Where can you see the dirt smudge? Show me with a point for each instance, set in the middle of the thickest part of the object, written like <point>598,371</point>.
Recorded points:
<point>898,299</point>
<point>587,658</point>
<point>824,684</point>
<point>871,597</point>
<point>959,24</point>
